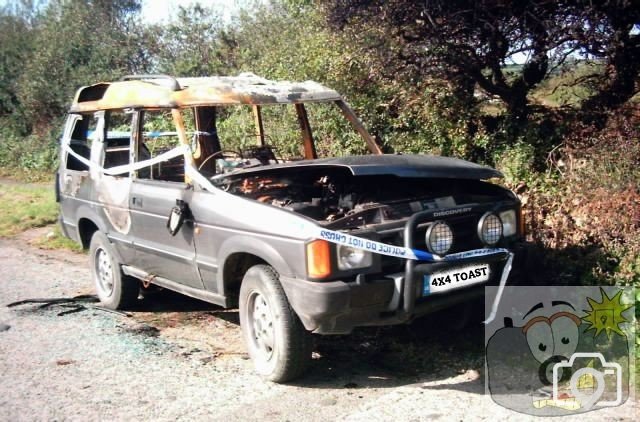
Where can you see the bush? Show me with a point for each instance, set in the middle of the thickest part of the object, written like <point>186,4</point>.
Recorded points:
<point>515,162</point>
<point>32,155</point>
<point>586,210</point>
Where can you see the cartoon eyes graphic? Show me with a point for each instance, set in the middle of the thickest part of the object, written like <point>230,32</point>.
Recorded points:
<point>553,336</point>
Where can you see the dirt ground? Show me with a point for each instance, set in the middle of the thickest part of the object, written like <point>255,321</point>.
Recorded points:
<point>174,358</point>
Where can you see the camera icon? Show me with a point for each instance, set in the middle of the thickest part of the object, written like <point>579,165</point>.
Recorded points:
<point>587,401</point>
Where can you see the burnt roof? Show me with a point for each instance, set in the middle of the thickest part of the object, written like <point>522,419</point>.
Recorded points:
<point>160,91</point>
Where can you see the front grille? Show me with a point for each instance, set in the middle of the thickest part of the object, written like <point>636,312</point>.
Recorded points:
<point>465,238</point>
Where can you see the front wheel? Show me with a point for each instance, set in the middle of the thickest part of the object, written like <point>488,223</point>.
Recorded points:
<point>115,289</point>
<point>278,343</point>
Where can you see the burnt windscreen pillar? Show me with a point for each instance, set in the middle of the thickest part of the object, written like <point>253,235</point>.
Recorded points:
<point>207,133</point>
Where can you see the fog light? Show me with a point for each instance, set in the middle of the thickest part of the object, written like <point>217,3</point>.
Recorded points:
<point>439,238</point>
<point>350,258</point>
<point>490,229</point>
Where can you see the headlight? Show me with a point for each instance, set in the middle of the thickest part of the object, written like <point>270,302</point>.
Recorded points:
<point>439,238</point>
<point>350,258</point>
<point>509,224</point>
<point>490,229</point>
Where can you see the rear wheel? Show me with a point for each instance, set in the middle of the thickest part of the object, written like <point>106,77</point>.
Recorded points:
<point>115,290</point>
<point>278,343</point>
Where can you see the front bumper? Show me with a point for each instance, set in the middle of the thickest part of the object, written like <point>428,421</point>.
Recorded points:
<point>336,307</point>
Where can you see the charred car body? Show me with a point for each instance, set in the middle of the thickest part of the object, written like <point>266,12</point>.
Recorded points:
<point>160,189</point>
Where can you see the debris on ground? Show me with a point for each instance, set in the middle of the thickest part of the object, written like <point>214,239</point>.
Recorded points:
<point>75,304</point>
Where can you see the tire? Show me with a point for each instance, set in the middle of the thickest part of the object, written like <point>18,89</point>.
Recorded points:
<point>115,290</point>
<point>278,344</point>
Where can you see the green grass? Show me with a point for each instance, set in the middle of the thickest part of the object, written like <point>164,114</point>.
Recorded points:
<point>27,206</point>
<point>24,207</point>
<point>26,175</point>
<point>569,86</point>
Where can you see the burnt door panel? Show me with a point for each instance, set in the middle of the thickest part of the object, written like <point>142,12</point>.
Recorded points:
<point>157,251</point>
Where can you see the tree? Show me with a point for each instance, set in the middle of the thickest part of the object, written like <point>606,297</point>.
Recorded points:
<point>15,50</point>
<point>610,32</point>
<point>75,42</point>
<point>194,44</point>
<point>464,42</point>
<point>469,42</point>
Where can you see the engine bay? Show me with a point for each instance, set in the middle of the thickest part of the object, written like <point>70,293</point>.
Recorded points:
<point>334,197</point>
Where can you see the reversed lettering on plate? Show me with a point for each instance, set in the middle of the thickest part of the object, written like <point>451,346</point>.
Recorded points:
<point>455,278</point>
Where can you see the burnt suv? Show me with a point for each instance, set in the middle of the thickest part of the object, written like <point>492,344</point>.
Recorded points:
<point>213,187</point>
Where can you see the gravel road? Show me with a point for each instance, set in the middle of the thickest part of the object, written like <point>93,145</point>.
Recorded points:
<point>179,359</point>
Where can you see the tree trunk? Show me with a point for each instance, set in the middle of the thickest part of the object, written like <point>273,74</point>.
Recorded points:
<point>623,71</point>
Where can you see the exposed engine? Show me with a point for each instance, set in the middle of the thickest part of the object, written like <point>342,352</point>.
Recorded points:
<point>332,196</point>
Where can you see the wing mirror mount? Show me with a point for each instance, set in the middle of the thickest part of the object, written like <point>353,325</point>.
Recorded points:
<point>177,216</point>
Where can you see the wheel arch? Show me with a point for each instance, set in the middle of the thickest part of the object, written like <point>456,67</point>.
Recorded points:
<point>237,255</point>
<point>86,229</point>
<point>90,222</point>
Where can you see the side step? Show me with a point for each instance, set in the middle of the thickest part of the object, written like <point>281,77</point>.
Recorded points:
<point>214,298</point>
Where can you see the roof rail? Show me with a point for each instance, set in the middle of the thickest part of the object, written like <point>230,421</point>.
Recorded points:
<point>174,82</point>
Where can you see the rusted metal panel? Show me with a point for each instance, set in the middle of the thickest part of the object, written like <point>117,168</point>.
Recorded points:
<point>257,114</point>
<point>243,89</point>
<point>307,137</point>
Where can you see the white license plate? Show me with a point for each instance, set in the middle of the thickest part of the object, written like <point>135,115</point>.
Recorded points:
<point>455,278</point>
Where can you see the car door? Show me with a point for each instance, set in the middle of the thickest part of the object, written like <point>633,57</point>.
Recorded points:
<point>154,192</point>
<point>157,251</point>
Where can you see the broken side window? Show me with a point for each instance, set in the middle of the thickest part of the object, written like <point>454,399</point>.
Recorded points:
<point>80,142</point>
<point>158,135</point>
<point>118,129</point>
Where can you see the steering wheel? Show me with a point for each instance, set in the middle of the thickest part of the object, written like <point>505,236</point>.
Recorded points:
<point>224,154</point>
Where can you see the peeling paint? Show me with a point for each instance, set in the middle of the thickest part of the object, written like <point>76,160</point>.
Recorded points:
<point>243,89</point>
<point>113,193</point>
<point>71,183</point>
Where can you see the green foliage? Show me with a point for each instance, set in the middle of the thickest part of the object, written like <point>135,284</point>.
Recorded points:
<point>236,128</point>
<point>515,162</point>
<point>15,46</point>
<point>334,136</point>
<point>74,45</point>
<point>293,46</point>
<point>193,44</point>
<point>45,56</point>
<point>586,209</point>
<point>292,42</point>
<point>33,155</point>
<point>571,85</point>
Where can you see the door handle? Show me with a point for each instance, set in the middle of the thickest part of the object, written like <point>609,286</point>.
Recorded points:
<point>136,201</point>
